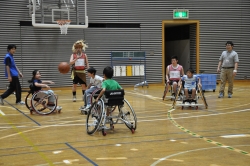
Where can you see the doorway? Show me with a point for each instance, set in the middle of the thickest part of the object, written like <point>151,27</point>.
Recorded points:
<point>180,38</point>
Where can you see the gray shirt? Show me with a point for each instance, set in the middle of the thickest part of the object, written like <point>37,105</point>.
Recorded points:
<point>229,58</point>
<point>97,81</point>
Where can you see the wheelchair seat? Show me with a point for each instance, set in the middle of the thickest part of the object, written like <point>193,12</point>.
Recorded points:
<point>32,88</point>
<point>114,97</point>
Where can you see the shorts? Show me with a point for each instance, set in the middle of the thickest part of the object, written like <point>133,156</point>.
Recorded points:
<point>172,81</point>
<point>77,80</point>
<point>189,90</point>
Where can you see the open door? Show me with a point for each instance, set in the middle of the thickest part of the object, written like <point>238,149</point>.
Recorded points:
<point>180,44</point>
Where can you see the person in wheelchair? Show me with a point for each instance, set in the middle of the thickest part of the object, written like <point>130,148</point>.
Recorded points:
<point>108,83</point>
<point>95,83</point>
<point>174,71</point>
<point>190,85</point>
<point>37,84</point>
<point>110,98</point>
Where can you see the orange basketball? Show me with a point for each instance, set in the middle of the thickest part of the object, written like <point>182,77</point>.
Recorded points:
<point>63,67</point>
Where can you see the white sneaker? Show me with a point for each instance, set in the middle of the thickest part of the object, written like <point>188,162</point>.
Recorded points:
<point>74,98</point>
<point>87,108</point>
<point>58,108</point>
<point>193,103</point>
<point>186,103</point>
<point>20,103</point>
<point>82,108</point>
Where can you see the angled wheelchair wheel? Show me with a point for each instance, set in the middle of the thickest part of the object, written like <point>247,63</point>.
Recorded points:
<point>40,103</point>
<point>177,96</point>
<point>128,115</point>
<point>165,92</point>
<point>28,101</point>
<point>203,97</point>
<point>204,100</point>
<point>95,116</point>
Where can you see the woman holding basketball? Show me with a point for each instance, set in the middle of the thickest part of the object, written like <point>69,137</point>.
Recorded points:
<point>79,62</point>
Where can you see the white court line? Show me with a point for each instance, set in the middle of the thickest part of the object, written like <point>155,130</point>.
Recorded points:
<point>56,125</point>
<point>151,120</point>
<point>183,152</point>
<point>235,136</point>
<point>1,112</point>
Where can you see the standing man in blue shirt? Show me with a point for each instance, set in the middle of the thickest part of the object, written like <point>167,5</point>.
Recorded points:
<point>12,73</point>
<point>229,63</point>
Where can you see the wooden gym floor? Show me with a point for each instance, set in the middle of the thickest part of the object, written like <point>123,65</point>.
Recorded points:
<point>217,136</point>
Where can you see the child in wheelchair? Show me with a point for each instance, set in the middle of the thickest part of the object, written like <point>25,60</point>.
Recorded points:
<point>102,111</point>
<point>37,84</point>
<point>190,86</point>
<point>95,83</point>
<point>108,83</point>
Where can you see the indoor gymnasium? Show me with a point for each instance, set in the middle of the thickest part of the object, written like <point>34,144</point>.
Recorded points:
<point>126,82</point>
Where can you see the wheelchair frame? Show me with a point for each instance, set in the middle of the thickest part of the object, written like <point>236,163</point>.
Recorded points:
<point>39,105</point>
<point>97,118</point>
<point>94,95</point>
<point>172,97</point>
<point>196,105</point>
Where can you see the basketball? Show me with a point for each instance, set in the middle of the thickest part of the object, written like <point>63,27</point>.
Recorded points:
<point>63,67</point>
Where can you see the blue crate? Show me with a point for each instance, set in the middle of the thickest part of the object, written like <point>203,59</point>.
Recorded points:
<point>208,81</point>
<point>208,77</point>
<point>209,87</point>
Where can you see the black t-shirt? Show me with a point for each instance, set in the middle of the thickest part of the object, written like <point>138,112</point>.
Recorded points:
<point>36,88</point>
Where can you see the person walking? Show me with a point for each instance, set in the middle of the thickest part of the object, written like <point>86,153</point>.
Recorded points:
<point>12,73</point>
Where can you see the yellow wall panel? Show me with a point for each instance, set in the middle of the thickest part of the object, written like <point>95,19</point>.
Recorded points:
<point>129,70</point>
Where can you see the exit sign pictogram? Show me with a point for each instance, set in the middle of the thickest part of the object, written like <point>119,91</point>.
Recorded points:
<point>180,14</point>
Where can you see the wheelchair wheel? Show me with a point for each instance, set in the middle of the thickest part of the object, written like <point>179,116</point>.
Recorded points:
<point>177,96</point>
<point>95,116</point>
<point>128,115</point>
<point>203,97</point>
<point>28,101</point>
<point>39,103</point>
<point>165,92</point>
<point>204,100</point>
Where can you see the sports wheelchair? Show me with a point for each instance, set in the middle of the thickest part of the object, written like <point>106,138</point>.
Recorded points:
<point>189,103</point>
<point>110,109</point>
<point>37,101</point>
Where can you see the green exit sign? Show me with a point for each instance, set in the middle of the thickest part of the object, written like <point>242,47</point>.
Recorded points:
<point>180,14</point>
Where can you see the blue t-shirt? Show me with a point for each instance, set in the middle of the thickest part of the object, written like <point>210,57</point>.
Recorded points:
<point>9,61</point>
<point>190,83</point>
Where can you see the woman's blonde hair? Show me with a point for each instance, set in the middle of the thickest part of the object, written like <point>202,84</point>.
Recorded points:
<point>79,43</point>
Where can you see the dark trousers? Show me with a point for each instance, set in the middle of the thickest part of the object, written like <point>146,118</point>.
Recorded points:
<point>14,86</point>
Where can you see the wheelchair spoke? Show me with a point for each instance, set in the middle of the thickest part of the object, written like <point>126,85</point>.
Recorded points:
<point>40,102</point>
